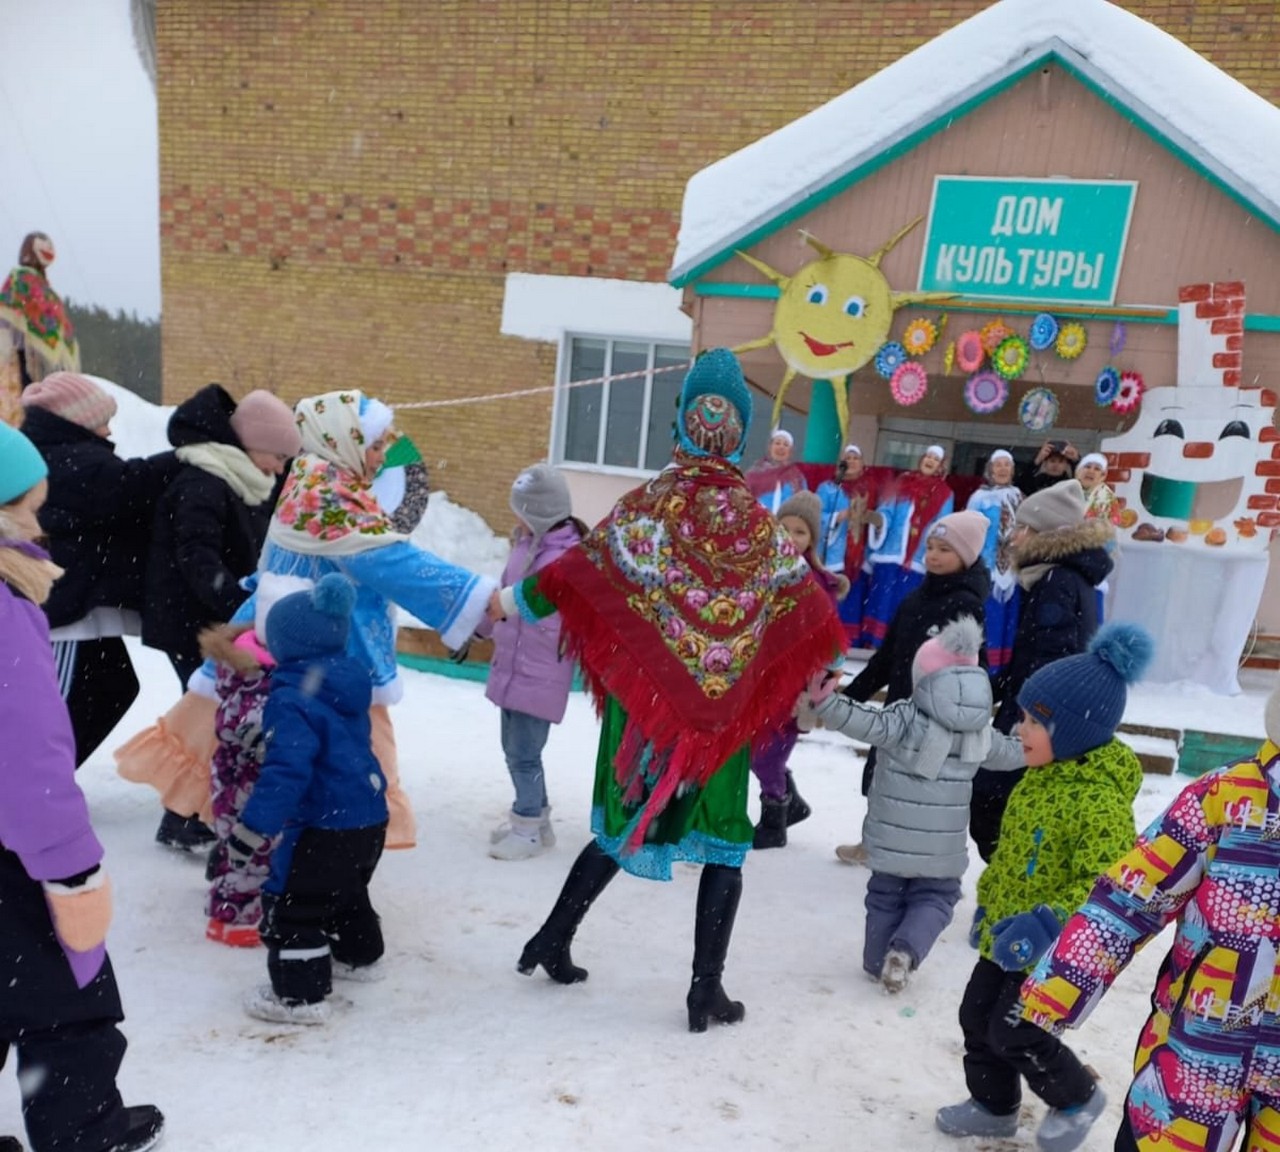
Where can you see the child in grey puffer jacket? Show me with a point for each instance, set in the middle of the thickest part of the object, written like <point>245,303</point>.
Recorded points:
<point>917,819</point>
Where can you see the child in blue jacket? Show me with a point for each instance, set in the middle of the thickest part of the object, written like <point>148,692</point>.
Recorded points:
<point>321,790</point>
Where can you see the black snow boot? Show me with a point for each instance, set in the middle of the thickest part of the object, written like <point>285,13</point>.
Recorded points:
<point>771,832</point>
<point>184,833</point>
<point>589,876</point>
<point>144,1126</point>
<point>10,1144</point>
<point>719,891</point>
<point>797,809</point>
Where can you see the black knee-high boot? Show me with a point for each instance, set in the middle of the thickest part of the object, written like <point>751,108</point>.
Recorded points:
<point>719,891</point>
<point>589,876</point>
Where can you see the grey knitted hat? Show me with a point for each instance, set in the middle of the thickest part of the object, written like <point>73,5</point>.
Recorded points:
<point>1059,506</point>
<point>540,497</point>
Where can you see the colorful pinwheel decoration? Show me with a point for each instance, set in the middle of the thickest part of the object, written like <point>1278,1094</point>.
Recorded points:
<point>920,337</point>
<point>995,334</point>
<point>1044,331</point>
<point>986,392</point>
<point>1071,341</point>
<point>890,357</point>
<point>909,383</point>
<point>969,351</point>
<point>1106,387</point>
<point>1130,392</point>
<point>1010,358</point>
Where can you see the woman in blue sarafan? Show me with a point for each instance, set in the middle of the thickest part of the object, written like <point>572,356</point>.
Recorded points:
<point>998,501</point>
<point>910,505</point>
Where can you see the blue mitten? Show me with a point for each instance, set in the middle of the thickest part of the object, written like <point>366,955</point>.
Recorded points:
<point>975,929</point>
<point>1019,941</point>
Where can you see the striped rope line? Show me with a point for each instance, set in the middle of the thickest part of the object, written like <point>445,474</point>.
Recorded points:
<point>491,396</point>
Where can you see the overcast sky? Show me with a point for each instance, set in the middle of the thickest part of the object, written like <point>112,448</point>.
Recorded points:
<point>78,156</point>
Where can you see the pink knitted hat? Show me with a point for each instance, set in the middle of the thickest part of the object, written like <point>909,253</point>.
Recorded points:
<point>964,533</point>
<point>73,397</point>
<point>957,645</point>
<point>265,423</point>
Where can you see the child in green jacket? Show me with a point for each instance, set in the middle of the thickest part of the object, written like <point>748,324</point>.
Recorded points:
<point>1067,821</point>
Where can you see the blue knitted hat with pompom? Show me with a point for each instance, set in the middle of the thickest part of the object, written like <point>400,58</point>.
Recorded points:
<point>715,373</point>
<point>1080,699</point>
<point>314,623</point>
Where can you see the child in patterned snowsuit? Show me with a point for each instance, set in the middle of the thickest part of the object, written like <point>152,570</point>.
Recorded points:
<point>234,903</point>
<point>1208,1056</point>
<point>1069,818</point>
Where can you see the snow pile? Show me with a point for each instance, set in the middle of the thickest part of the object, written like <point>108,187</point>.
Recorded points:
<point>1204,111</point>
<point>461,537</point>
<point>140,427</point>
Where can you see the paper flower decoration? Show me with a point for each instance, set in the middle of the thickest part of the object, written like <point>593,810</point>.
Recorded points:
<point>889,358</point>
<point>1106,387</point>
<point>948,358</point>
<point>1071,341</point>
<point>1010,358</point>
<point>986,392</point>
<point>909,383</point>
<point>1130,394</point>
<point>995,334</point>
<point>1119,334</point>
<point>920,337</point>
<point>969,351</point>
<point>1044,331</point>
<point>1039,410</point>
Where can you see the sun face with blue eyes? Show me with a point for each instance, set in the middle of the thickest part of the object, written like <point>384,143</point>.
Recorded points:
<point>832,316</point>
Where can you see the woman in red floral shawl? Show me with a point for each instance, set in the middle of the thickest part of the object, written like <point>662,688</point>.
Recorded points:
<point>697,625</point>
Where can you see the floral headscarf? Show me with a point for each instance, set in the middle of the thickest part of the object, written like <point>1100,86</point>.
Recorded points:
<point>328,505</point>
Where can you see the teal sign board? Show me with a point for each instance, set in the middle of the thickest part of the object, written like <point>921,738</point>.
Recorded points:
<point>1056,241</point>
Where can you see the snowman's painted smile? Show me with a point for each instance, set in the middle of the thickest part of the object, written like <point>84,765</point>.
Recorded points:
<point>1188,500</point>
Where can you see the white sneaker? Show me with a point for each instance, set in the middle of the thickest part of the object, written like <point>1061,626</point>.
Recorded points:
<point>523,840</point>
<point>263,1004</point>
<point>362,974</point>
<point>544,828</point>
<point>1064,1129</point>
<point>896,970</point>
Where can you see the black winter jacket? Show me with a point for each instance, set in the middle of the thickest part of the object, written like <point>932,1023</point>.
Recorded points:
<point>98,516</point>
<point>1059,612</point>
<point>924,612</point>
<point>206,539</point>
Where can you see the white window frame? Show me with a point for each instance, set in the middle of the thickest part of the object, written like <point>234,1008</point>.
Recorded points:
<point>560,405</point>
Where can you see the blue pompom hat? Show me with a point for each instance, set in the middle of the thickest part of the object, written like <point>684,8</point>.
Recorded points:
<point>1080,699</point>
<point>313,623</point>
<point>710,429</point>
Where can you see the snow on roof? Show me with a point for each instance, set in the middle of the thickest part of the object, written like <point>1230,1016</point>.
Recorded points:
<point>1228,130</point>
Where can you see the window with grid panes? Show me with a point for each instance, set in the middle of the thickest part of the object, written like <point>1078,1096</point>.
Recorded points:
<point>630,424</point>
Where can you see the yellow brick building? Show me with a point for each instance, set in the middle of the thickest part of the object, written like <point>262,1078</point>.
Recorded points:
<point>347,187</point>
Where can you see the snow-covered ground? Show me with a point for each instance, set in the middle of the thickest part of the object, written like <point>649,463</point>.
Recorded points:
<point>455,1050</point>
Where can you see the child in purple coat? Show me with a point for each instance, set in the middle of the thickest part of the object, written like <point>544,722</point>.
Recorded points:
<point>780,804</point>
<point>529,678</point>
<point>59,1004</point>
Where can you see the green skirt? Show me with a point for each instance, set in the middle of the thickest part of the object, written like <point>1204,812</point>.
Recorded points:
<point>701,826</point>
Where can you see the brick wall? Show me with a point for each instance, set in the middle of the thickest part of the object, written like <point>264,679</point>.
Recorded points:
<point>345,186</point>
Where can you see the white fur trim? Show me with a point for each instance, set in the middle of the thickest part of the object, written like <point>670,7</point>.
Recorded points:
<point>851,448</point>
<point>936,450</point>
<point>1001,454</point>
<point>375,420</point>
<point>1094,458</point>
<point>782,434</point>
<point>470,614</point>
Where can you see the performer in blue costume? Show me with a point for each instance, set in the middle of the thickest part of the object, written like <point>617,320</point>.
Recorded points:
<point>998,501</point>
<point>848,509</point>
<point>910,506</point>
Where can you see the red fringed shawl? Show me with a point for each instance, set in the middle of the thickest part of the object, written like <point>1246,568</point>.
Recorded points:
<point>689,605</point>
